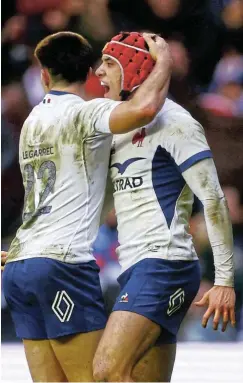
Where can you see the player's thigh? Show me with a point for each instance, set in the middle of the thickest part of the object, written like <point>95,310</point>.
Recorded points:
<point>156,365</point>
<point>76,353</point>
<point>42,362</point>
<point>126,337</point>
<point>74,313</point>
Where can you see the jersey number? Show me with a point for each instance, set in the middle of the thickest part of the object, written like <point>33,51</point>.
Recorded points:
<point>30,181</point>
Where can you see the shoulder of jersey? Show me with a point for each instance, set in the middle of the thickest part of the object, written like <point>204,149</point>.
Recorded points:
<point>171,107</point>
<point>174,116</point>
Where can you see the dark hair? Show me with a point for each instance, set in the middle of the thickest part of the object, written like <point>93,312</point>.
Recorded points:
<point>65,54</point>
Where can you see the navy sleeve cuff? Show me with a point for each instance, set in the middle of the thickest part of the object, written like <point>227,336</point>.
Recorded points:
<point>194,159</point>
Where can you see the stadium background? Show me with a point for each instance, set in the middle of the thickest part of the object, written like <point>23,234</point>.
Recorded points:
<point>206,40</point>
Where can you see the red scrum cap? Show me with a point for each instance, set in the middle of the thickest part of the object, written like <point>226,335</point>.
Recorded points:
<point>130,51</point>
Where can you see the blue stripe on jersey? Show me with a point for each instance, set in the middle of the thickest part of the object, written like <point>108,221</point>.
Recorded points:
<point>195,158</point>
<point>167,182</point>
<point>59,92</point>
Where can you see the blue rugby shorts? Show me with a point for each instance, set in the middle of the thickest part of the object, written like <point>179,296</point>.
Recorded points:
<point>49,299</point>
<point>161,290</point>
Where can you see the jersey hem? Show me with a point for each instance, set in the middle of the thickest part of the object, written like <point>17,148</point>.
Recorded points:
<point>57,258</point>
<point>175,257</point>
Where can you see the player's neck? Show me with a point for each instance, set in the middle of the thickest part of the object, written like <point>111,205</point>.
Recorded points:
<point>75,88</point>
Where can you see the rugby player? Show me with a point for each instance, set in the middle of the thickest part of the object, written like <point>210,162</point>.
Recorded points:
<point>156,171</point>
<point>51,280</point>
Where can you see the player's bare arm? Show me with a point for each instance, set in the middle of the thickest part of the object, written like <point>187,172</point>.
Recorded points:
<point>203,180</point>
<point>4,255</point>
<point>150,96</point>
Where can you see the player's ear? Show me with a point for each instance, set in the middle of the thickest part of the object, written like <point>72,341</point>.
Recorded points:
<point>45,79</point>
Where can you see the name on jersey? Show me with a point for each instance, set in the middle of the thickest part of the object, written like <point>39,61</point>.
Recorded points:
<point>128,183</point>
<point>38,152</point>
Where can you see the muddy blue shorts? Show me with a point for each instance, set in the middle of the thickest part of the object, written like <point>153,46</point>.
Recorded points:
<point>48,298</point>
<point>160,290</point>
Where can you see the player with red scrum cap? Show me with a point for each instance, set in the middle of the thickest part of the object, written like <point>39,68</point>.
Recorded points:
<point>156,171</point>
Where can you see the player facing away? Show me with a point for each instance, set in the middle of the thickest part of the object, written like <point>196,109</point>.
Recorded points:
<point>51,280</point>
<point>156,171</point>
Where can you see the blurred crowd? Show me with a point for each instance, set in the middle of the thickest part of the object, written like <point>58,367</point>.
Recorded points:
<point>206,41</point>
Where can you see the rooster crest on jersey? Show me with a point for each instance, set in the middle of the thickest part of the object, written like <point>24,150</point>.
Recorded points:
<point>130,51</point>
<point>139,137</point>
<point>124,298</point>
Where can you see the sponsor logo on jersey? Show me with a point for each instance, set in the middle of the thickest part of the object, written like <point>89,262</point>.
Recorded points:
<point>123,167</point>
<point>128,183</point>
<point>138,138</point>
<point>62,298</point>
<point>124,298</point>
<point>176,301</point>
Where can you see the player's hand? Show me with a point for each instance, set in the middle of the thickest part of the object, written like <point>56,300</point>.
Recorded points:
<point>158,48</point>
<point>4,255</point>
<point>221,303</point>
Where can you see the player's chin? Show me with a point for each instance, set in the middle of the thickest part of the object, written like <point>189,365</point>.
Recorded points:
<point>112,95</point>
<point>106,91</point>
<point>108,95</point>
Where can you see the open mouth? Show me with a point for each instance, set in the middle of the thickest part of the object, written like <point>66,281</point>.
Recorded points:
<point>106,87</point>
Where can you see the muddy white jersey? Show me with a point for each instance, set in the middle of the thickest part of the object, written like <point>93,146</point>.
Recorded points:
<point>152,201</point>
<point>64,157</point>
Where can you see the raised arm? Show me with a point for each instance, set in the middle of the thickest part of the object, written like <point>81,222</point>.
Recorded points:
<point>150,96</point>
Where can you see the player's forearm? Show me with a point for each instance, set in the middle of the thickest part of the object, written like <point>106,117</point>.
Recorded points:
<point>220,235</point>
<point>203,180</point>
<point>126,117</point>
<point>147,101</point>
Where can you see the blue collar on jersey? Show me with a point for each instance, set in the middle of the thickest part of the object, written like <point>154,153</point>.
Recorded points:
<point>59,92</point>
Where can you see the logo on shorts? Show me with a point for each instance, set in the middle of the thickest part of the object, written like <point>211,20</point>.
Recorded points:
<point>124,298</point>
<point>63,298</point>
<point>176,301</point>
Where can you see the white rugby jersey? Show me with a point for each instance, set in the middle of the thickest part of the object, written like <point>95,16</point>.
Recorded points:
<point>152,201</point>
<point>64,157</point>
